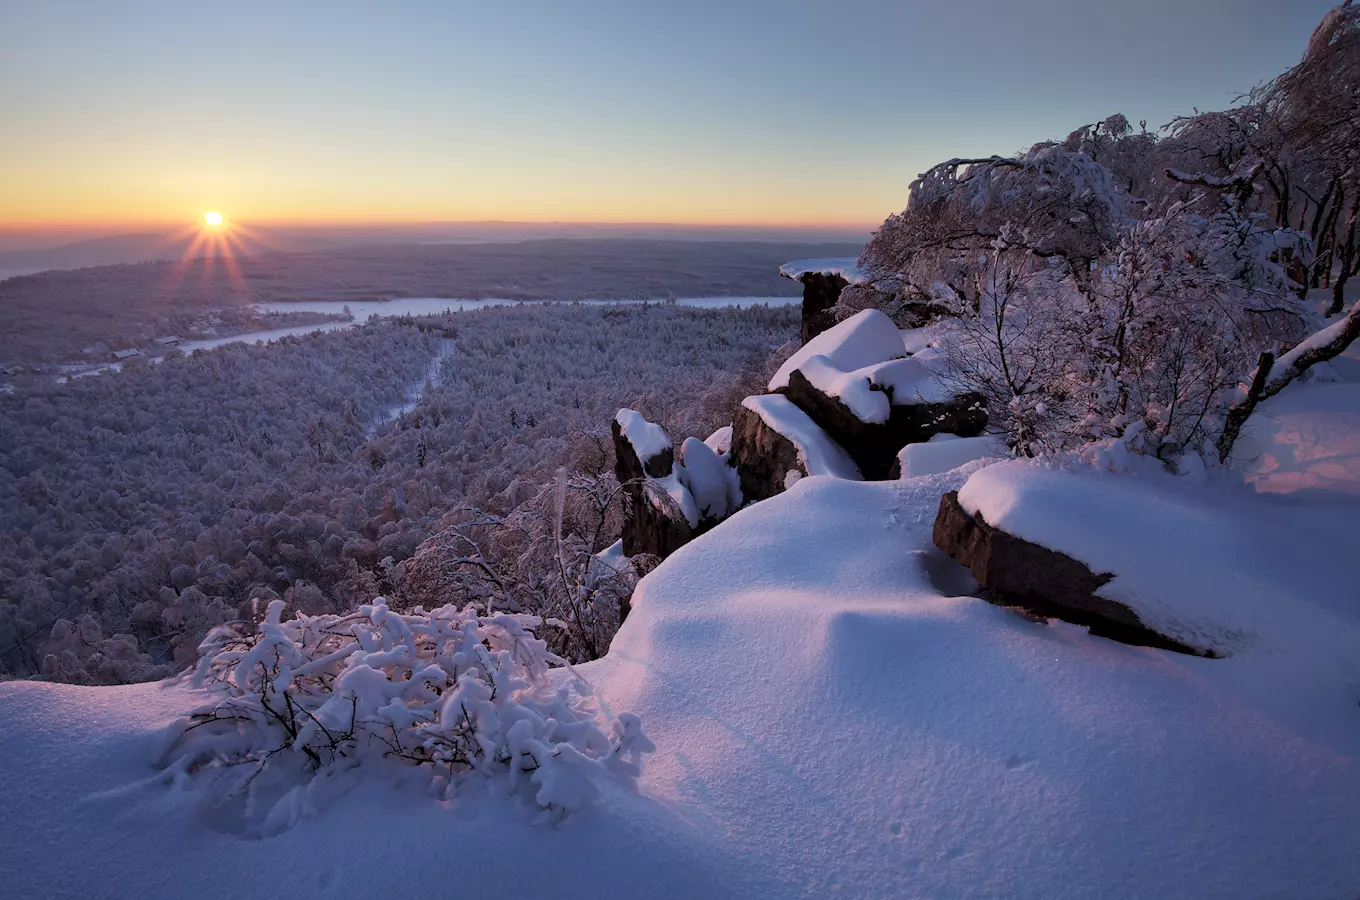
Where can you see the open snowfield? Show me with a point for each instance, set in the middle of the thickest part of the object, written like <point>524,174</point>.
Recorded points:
<point>830,721</point>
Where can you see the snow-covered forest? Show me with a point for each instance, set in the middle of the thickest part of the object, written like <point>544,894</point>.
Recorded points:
<point>160,501</point>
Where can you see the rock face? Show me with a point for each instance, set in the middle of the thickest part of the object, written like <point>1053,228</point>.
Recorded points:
<point>820,292</point>
<point>1015,572</point>
<point>874,446</point>
<point>764,457</point>
<point>651,525</point>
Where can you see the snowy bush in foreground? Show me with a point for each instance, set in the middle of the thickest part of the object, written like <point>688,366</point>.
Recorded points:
<point>459,693</point>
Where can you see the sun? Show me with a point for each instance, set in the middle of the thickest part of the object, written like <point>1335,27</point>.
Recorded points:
<point>213,218</point>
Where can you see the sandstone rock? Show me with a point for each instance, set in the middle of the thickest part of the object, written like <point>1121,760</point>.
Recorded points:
<point>1015,572</point>
<point>820,292</point>
<point>874,445</point>
<point>763,456</point>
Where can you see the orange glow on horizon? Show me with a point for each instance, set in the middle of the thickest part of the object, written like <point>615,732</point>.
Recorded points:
<point>123,225</point>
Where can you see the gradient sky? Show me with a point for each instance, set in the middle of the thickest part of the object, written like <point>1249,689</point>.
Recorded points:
<point>818,112</point>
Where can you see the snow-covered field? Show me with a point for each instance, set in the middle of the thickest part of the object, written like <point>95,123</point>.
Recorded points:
<point>833,716</point>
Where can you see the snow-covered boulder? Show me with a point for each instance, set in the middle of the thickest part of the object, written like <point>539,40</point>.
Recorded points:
<point>1019,573</point>
<point>774,443</point>
<point>865,338</point>
<point>712,483</point>
<point>867,419</point>
<point>661,514</point>
<point>873,411</point>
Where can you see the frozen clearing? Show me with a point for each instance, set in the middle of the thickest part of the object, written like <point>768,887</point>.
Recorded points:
<point>827,723</point>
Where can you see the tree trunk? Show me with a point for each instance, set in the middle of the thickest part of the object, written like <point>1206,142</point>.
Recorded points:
<point>1349,252</point>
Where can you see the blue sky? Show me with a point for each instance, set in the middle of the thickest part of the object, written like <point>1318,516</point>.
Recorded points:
<point>736,112</point>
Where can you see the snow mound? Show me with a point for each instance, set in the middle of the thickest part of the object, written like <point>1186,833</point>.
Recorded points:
<point>845,267</point>
<point>1206,565</point>
<point>647,438</point>
<point>946,452</point>
<point>941,746</point>
<point>1306,438</point>
<point>714,485</point>
<point>865,338</point>
<point>817,452</point>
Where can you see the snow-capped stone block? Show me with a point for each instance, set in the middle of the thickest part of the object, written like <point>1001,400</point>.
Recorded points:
<point>661,515</point>
<point>860,410</point>
<point>1044,582</point>
<point>647,441</point>
<point>772,437</point>
<point>865,338</point>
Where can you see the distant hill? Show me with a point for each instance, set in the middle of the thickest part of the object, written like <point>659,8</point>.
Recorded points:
<point>122,249</point>
<point>50,316</point>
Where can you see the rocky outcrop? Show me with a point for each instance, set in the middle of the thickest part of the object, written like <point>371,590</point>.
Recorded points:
<point>764,457</point>
<point>820,292</point>
<point>653,523</point>
<point>1043,582</point>
<point>874,445</point>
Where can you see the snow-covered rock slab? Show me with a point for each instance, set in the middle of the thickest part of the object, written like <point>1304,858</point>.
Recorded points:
<point>1212,567</point>
<point>818,454</point>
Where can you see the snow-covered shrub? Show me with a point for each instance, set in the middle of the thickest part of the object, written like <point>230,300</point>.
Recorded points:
<point>78,652</point>
<point>461,694</point>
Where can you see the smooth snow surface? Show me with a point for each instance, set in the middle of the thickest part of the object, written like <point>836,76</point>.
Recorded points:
<point>865,338</point>
<point>842,266</point>
<point>1307,437</point>
<point>945,452</point>
<point>827,724</point>
<point>818,453</point>
<point>647,439</point>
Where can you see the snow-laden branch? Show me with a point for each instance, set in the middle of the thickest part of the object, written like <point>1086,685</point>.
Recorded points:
<point>1274,375</point>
